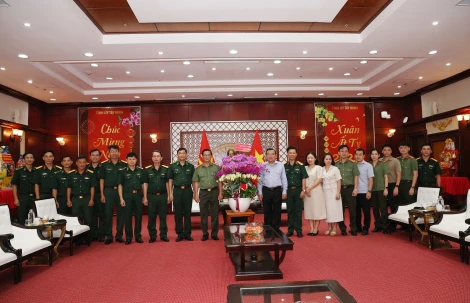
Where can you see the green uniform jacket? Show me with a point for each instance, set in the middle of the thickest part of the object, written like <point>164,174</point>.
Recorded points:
<point>96,172</point>
<point>181,175</point>
<point>408,166</point>
<point>81,184</point>
<point>427,171</point>
<point>44,177</point>
<point>205,176</point>
<point>23,179</point>
<point>59,182</point>
<point>110,172</point>
<point>348,171</point>
<point>295,174</point>
<point>156,179</point>
<point>131,179</point>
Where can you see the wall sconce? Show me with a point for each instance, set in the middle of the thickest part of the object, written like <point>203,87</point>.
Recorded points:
<point>61,141</point>
<point>16,136</point>
<point>465,117</point>
<point>459,117</point>
<point>391,132</point>
<point>302,134</point>
<point>154,138</point>
<point>385,115</point>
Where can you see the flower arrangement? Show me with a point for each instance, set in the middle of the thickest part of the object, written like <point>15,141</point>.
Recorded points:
<point>323,115</point>
<point>133,119</point>
<point>239,175</point>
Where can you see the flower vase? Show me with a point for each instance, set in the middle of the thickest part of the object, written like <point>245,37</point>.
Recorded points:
<point>243,204</point>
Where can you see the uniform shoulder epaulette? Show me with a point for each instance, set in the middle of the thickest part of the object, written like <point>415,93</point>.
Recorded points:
<point>89,170</point>
<point>19,167</point>
<point>298,162</point>
<point>57,171</point>
<point>165,166</point>
<point>433,159</point>
<point>38,167</point>
<point>381,159</point>
<point>123,168</point>
<point>104,161</point>
<point>148,166</point>
<point>411,157</point>
<point>285,162</point>
<point>124,161</point>
<point>59,167</point>
<point>73,170</point>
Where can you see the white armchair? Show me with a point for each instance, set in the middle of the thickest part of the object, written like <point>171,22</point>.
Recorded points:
<point>426,196</point>
<point>8,255</point>
<point>27,241</point>
<point>73,227</point>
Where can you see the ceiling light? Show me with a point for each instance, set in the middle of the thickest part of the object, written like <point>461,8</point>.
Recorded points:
<point>109,78</point>
<point>275,94</point>
<point>373,52</point>
<point>229,95</point>
<point>214,68</point>
<point>95,98</point>
<point>330,68</point>
<point>248,68</point>
<point>448,64</point>
<point>363,62</point>
<point>405,119</point>
<point>2,68</point>
<point>399,86</point>
<point>233,52</point>
<point>304,52</point>
<point>186,62</point>
<point>433,52</point>
<point>128,72</point>
<point>30,81</point>
<point>136,97</point>
<point>277,61</point>
<point>420,78</point>
<point>298,68</point>
<point>51,92</point>
<point>321,94</point>
<point>27,24</point>
<point>160,53</point>
<point>347,74</point>
<point>183,96</point>
<point>23,56</point>
<point>190,76</point>
<point>52,99</point>
<point>88,54</point>
<point>270,74</point>
<point>435,23</point>
<point>162,71</point>
<point>94,65</point>
<point>359,94</point>
<point>396,94</point>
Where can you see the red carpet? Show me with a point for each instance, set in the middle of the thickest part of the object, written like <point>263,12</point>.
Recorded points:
<point>374,268</point>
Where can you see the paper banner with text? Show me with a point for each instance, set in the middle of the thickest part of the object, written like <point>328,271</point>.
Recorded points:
<point>101,127</point>
<point>344,123</point>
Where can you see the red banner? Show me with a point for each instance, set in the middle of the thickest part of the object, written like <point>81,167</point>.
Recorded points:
<point>101,127</point>
<point>343,123</point>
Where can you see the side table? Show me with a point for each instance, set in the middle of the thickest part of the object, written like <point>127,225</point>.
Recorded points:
<point>426,215</point>
<point>230,214</point>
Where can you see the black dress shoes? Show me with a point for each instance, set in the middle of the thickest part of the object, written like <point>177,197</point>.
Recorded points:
<point>165,239</point>
<point>139,240</point>
<point>128,242</point>
<point>344,233</point>
<point>189,238</point>
<point>376,230</point>
<point>180,238</point>
<point>365,232</point>
<point>152,240</point>
<point>215,238</point>
<point>205,237</point>
<point>101,240</point>
<point>119,240</point>
<point>385,231</point>
<point>299,234</point>
<point>108,241</point>
<point>312,234</point>
<point>354,233</point>
<point>290,234</point>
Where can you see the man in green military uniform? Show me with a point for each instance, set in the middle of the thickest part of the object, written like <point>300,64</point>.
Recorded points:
<point>180,175</point>
<point>44,175</point>
<point>97,226</point>
<point>80,190</point>
<point>429,170</point>
<point>349,182</point>
<point>409,175</point>
<point>210,194</point>
<point>59,186</point>
<point>156,190</point>
<point>23,187</point>
<point>109,178</point>
<point>296,177</point>
<point>131,179</point>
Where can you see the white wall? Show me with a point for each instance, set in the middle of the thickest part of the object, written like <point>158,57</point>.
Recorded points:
<point>450,97</point>
<point>9,104</point>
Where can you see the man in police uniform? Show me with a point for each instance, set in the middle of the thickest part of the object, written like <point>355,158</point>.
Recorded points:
<point>296,177</point>
<point>409,175</point>
<point>349,188</point>
<point>97,226</point>
<point>156,190</point>
<point>80,190</point>
<point>44,175</point>
<point>429,170</point>
<point>59,186</point>
<point>23,187</point>
<point>180,175</point>
<point>109,178</point>
<point>131,179</point>
<point>210,194</point>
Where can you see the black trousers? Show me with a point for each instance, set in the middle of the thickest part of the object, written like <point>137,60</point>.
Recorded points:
<point>362,204</point>
<point>272,202</point>
<point>391,199</point>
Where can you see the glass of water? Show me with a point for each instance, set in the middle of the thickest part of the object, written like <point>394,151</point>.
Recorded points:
<point>446,207</point>
<point>27,222</point>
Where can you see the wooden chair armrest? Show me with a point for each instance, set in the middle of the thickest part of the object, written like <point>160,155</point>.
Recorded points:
<point>5,244</point>
<point>6,237</point>
<point>467,221</point>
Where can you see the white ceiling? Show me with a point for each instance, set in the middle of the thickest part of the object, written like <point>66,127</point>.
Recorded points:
<point>61,33</point>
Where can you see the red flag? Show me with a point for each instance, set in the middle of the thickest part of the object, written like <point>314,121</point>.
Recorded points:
<point>204,145</point>
<point>257,149</point>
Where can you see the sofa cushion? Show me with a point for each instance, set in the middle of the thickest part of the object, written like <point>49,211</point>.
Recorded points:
<point>29,246</point>
<point>450,230</point>
<point>6,257</point>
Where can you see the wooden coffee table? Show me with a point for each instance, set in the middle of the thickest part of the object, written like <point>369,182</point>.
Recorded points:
<point>233,214</point>
<point>253,260</point>
<point>425,239</point>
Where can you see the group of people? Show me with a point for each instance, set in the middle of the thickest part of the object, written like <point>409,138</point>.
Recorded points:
<point>324,192</point>
<point>94,190</point>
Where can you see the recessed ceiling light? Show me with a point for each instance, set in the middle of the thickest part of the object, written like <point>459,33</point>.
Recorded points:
<point>399,86</point>
<point>94,65</point>
<point>24,56</point>
<point>321,94</point>
<point>128,72</point>
<point>304,52</point>
<point>363,62</point>
<point>396,94</point>
<point>433,52</point>
<point>359,94</point>
<point>30,81</point>
<point>2,68</point>
<point>373,52</point>
<point>435,23</point>
<point>448,64</point>
<point>347,74</point>
<point>214,68</point>
<point>190,76</point>
<point>109,78</point>
<point>233,52</point>
<point>162,71</point>
<point>160,53</point>
<point>51,92</point>
<point>88,54</point>
<point>95,98</point>
<point>183,96</point>
<point>186,62</point>
<point>298,68</point>
<point>420,78</point>
<point>275,94</point>
<point>52,99</point>
<point>248,68</point>
<point>270,74</point>
<point>330,68</point>
<point>27,24</point>
<point>136,97</point>
<point>277,61</point>
<point>229,95</point>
